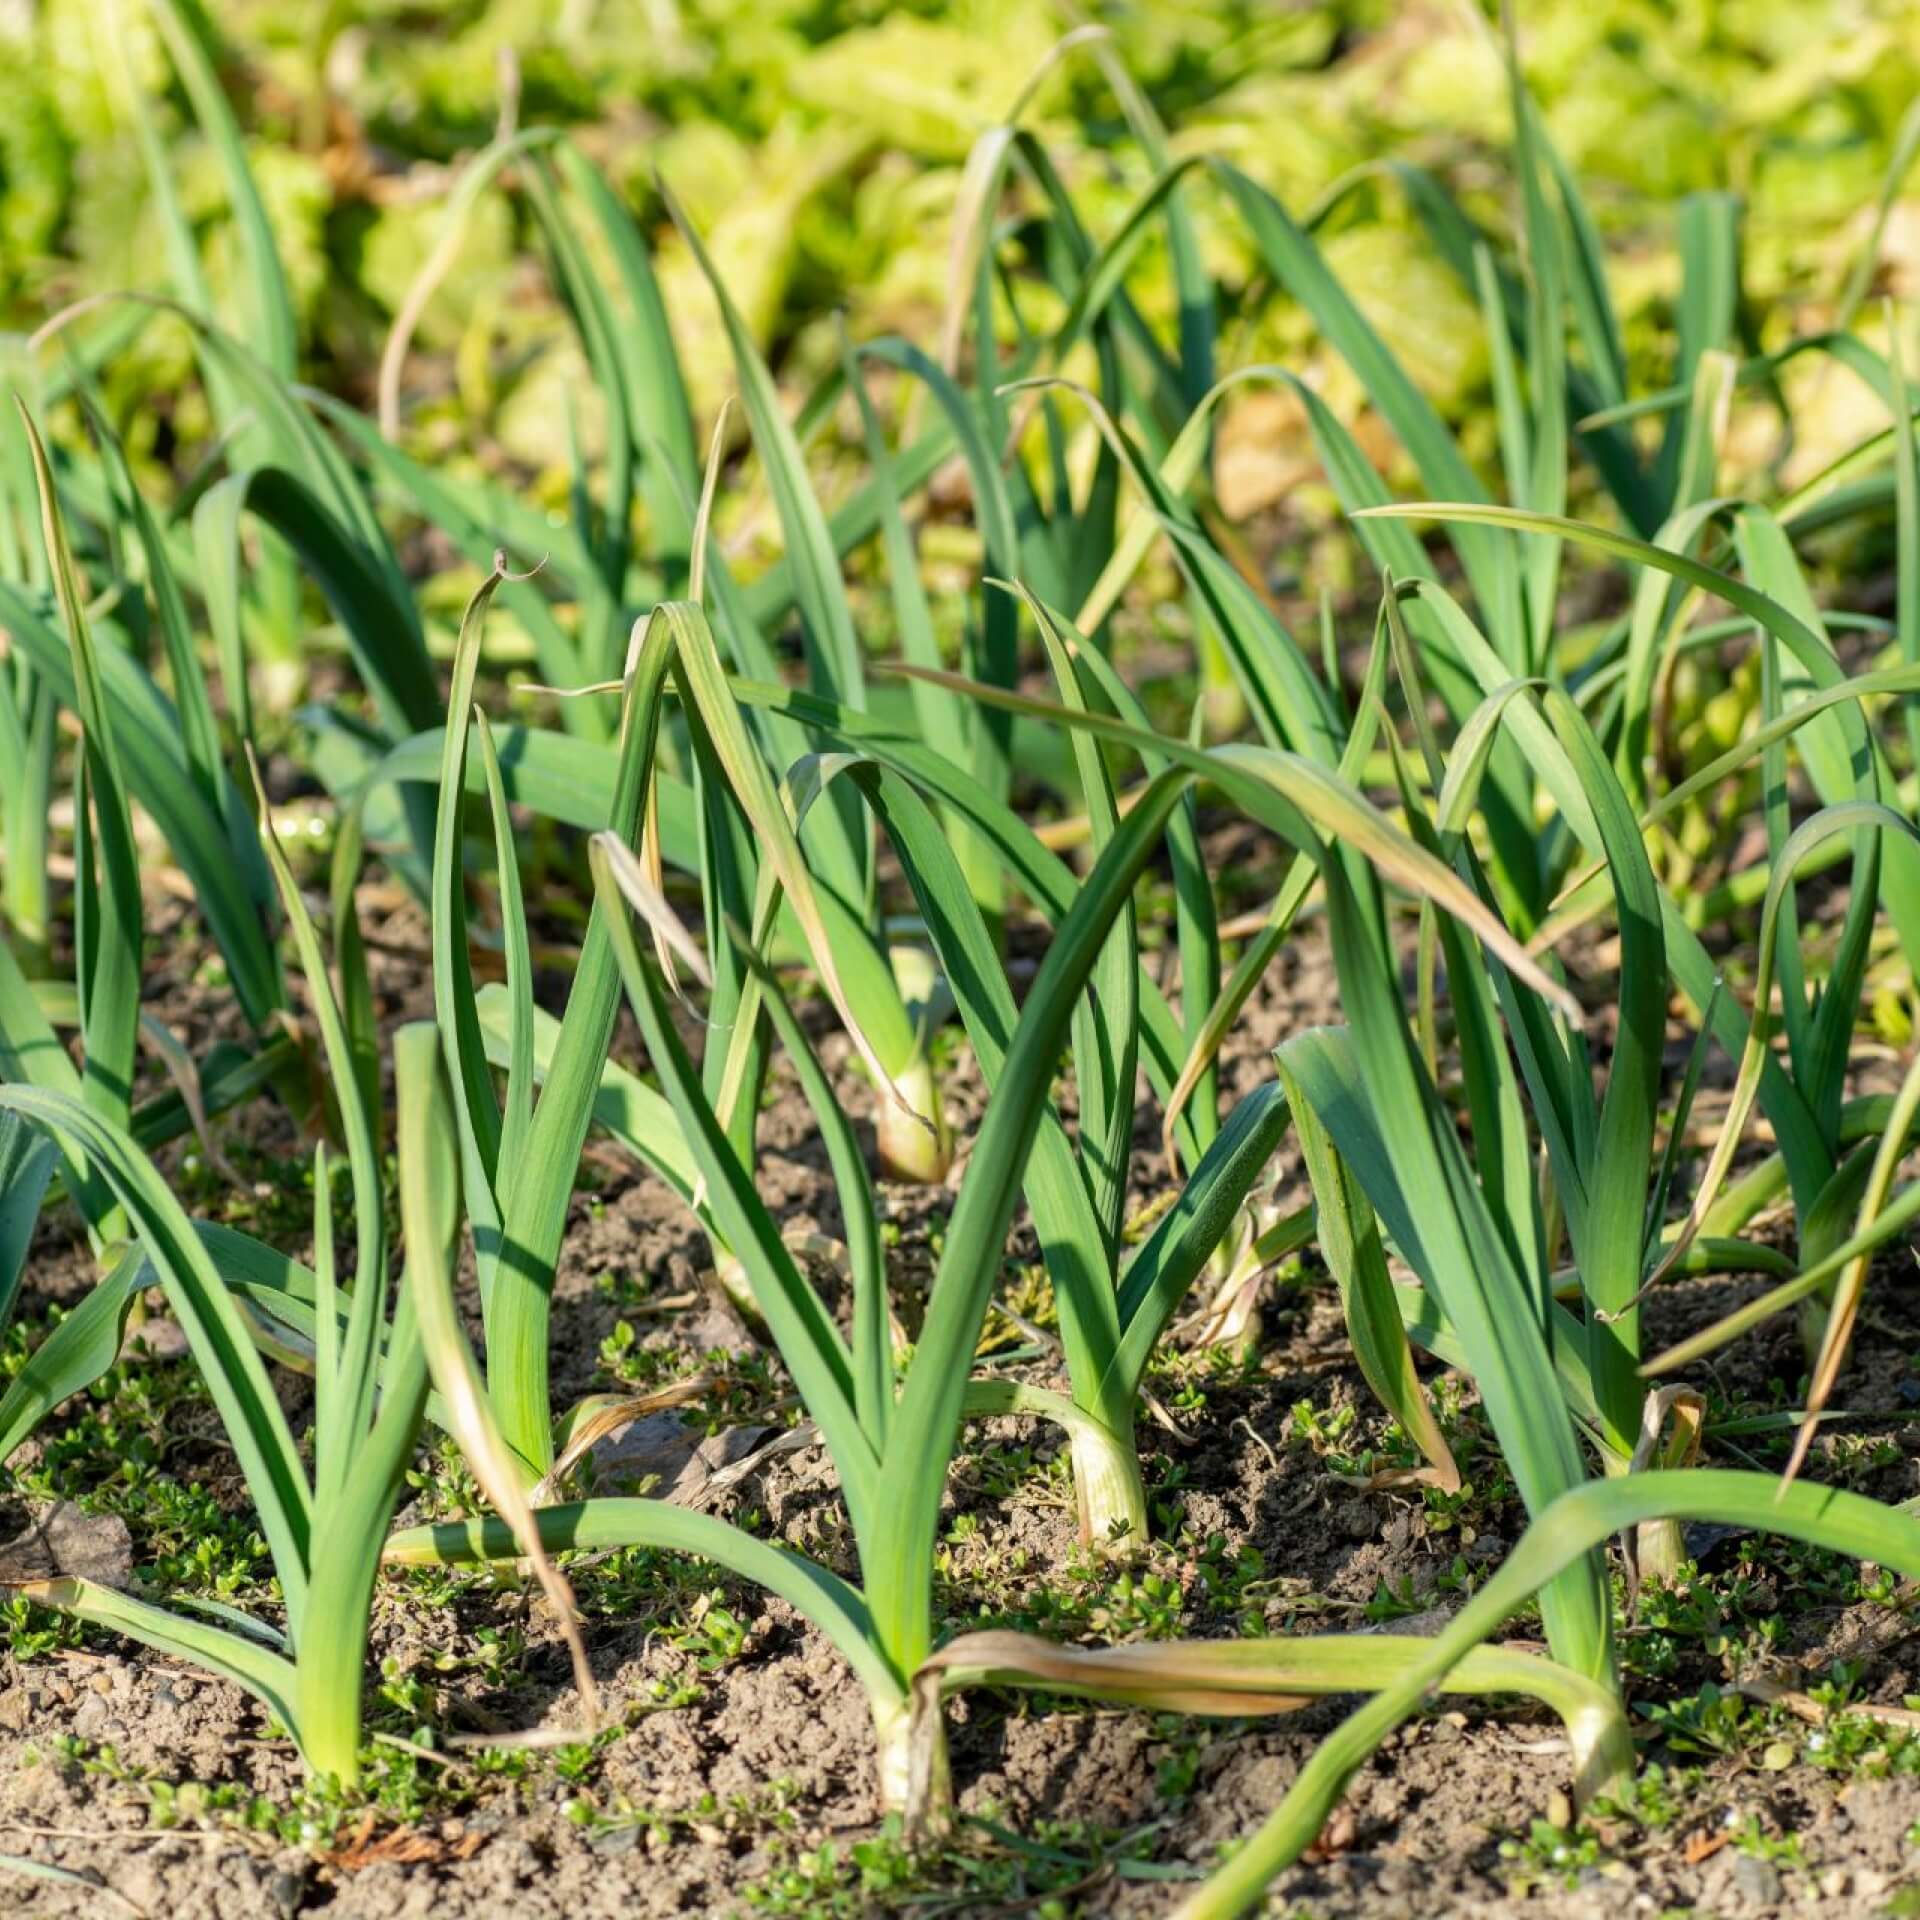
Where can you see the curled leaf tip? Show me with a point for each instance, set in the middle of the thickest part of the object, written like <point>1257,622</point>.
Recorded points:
<point>636,639</point>
<point>507,574</point>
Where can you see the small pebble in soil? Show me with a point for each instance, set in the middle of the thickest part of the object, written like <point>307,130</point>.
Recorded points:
<point>1357,1520</point>
<point>1758,1880</point>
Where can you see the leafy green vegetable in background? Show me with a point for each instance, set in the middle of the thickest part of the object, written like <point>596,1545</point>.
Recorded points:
<point>821,153</point>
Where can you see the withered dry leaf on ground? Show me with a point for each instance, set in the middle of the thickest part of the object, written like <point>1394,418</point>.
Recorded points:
<point>404,1846</point>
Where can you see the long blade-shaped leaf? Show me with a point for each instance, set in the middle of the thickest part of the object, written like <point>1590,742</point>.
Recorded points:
<point>1235,1677</point>
<point>109,921</point>
<point>1349,1242</point>
<point>430,1221</point>
<point>476,1107</point>
<point>356,1122</point>
<point>74,1355</point>
<point>809,1342</point>
<point>599,1525</point>
<point>238,1657</point>
<point>1577,1523</point>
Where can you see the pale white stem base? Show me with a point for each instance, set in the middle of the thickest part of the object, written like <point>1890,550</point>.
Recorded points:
<point>1659,1548</point>
<point>910,1127</point>
<point>1110,1493</point>
<point>916,1780</point>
